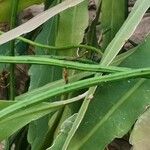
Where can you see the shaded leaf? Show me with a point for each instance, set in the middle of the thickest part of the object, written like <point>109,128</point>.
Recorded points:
<point>4,51</point>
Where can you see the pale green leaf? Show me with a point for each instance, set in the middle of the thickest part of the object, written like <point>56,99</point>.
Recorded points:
<point>140,135</point>
<point>71,27</point>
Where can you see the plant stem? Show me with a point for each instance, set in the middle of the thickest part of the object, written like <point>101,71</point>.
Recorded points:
<point>61,63</point>
<point>14,6</point>
<point>136,73</point>
<point>54,84</point>
<point>97,50</point>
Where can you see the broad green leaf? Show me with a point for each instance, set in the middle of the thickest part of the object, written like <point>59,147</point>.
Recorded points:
<point>43,74</point>
<point>17,120</point>
<point>63,132</point>
<point>6,4</point>
<point>114,13</point>
<point>71,27</point>
<point>115,106</point>
<point>140,135</point>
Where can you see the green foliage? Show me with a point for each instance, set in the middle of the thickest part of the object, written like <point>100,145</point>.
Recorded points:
<point>63,72</point>
<point>115,106</point>
<point>26,115</point>
<point>114,20</point>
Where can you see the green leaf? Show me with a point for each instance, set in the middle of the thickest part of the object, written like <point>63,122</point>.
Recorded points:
<point>71,27</point>
<point>63,132</point>
<point>59,63</point>
<point>114,13</point>
<point>17,120</point>
<point>140,135</point>
<point>4,104</point>
<point>125,31</point>
<point>41,75</point>
<point>115,106</point>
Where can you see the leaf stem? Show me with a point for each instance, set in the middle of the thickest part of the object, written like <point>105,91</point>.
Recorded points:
<point>61,63</point>
<point>136,73</point>
<point>97,50</point>
<point>14,7</point>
